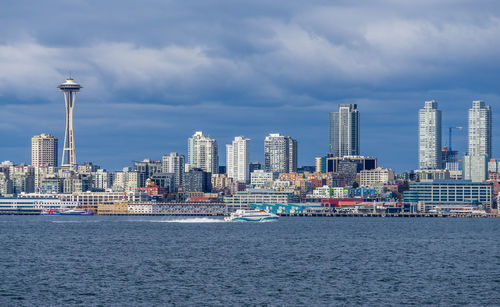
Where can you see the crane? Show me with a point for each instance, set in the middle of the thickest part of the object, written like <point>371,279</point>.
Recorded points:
<point>450,132</point>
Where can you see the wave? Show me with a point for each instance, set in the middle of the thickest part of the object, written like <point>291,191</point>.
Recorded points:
<point>190,220</point>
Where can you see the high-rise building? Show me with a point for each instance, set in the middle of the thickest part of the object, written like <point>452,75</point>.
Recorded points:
<point>174,163</point>
<point>69,88</point>
<point>43,150</point>
<point>238,159</point>
<point>480,129</point>
<point>280,153</point>
<point>429,140</point>
<point>344,131</point>
<point>202,153</point>
<point>475,166</point>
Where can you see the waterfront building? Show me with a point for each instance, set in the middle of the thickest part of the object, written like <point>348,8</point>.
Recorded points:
<point>344,131</point>
<point>243,199</point>
<point>475,166</point>
<point>429,141</point>
<point>90,200</point>
<point>197,180</point>
<point>43,150</point>
<point>203,153</point>
<point>280,153</point>
<point>262,178</point>
<point>375,176</point>
<point>440,192</point>
<point>238,159</point>
<point>69,88</point>
<point>174,163</point>
<point>33,205</point>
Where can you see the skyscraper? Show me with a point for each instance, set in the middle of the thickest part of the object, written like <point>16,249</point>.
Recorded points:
<point>43,150</point>
<point>429,140</point>
<point>475,166</point>
<point>238,159</point>
<point>280,153</point>
<point>344,131</point>
<point>174,163</point>
<point>202,153</point>
<point>69,88</point>
<point>480,129</point>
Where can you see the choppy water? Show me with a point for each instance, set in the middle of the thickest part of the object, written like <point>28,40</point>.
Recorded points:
<point>68,260</point>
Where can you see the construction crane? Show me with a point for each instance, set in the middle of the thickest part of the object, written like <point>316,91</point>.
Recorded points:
<point>450,152</point>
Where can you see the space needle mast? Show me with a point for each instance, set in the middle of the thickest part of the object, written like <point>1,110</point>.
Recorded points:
<point>69,88</point>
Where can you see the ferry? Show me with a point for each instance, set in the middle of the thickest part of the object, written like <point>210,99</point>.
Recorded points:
<point>14,205</point>
<point>251,216</point>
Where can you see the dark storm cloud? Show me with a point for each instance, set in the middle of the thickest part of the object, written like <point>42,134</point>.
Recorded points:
<point>155,71</point>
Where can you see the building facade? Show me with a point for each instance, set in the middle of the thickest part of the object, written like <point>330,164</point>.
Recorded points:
<point>174,163</point>
<point>344,131</point>
<point>280,153</point>
<point>44,150</point>
<point>375,176</point>
<point>429,140</point>
<point>203,153</point>
<point>238,159</point>
<point>475,166</point>
<point>440,192</point>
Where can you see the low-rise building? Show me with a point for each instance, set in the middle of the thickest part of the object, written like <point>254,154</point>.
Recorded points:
<point>439,192</point>
<point>242,199</point>
<point>375,176</point>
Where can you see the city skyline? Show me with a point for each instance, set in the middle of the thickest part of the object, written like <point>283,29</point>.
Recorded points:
<point>287,68</point>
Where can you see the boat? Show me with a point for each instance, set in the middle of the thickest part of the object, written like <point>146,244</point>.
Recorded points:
<point>75,212</point>
<point>251,216</point>
<point>50,212</point>
<point>72,211</point>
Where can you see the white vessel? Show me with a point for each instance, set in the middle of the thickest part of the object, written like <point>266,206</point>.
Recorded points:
<point>250,216</point>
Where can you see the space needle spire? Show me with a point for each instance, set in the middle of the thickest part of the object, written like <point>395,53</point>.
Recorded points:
<point>69,88</point>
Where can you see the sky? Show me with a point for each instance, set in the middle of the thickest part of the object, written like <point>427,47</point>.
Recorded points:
<point>154,71</point>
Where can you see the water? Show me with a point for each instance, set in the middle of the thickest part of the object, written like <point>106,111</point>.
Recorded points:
<point>82,260</point>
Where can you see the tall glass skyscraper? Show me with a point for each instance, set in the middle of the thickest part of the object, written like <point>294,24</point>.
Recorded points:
<point>429,136</point>
<point>344,131</point>
<point>476,160</point>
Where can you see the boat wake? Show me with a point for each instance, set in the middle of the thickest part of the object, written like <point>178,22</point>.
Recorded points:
<point>190,220</point>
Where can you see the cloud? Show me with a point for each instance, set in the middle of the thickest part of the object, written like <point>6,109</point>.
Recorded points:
<point>228,67</point>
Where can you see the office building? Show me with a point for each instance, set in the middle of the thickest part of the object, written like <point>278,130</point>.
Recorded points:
<point>238,159</point>
<point>174,163</point>
<point>429,141</point>
<point>475,166</point>
<point>203,153</point>
<point>43,150</point>
<point>197,180</point>
<point>280,153</point>
<point>457,192</point>
<point>375,176</point>
<point>344,131</point>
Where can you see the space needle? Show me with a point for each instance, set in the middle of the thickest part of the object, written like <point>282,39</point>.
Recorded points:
<point>69,88</point>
